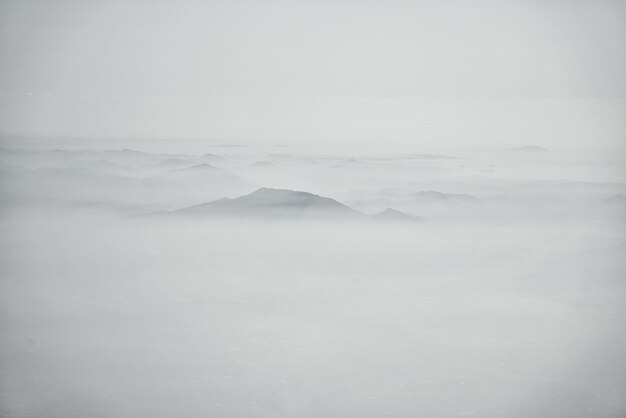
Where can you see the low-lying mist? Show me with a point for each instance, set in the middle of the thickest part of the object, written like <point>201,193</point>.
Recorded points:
<point>508,302</point>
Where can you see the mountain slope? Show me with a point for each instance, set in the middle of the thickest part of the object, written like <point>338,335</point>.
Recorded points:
<point>272,203</point>
<point>390,214</point>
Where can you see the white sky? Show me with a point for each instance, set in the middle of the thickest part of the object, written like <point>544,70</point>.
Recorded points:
<point>494,73</point>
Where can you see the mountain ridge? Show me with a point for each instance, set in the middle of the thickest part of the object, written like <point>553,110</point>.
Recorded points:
<point>272,203</point>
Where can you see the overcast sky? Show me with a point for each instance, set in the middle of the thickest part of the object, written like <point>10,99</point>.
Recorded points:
<point>455,72</point>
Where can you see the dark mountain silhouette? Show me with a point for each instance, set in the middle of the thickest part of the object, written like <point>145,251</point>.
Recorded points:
<point>212,158</point>
<point>272,203</point>
<point>197,169</point>
<point>390,214</point>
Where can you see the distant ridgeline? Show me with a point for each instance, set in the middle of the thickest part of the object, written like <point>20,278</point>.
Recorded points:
<point>266,203</point>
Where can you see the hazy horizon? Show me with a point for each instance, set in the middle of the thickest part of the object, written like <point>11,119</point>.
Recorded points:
<point>312,209</point>
<point>409,73</point>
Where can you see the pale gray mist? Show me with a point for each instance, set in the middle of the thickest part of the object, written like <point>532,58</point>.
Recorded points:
<point>245,209</point>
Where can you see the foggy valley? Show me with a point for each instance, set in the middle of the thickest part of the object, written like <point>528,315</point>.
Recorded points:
<point>312,209</point>
<point>146,284</point>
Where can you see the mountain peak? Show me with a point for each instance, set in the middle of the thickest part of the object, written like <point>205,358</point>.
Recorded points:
<point>391,214</point>
<point>273,203</point>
